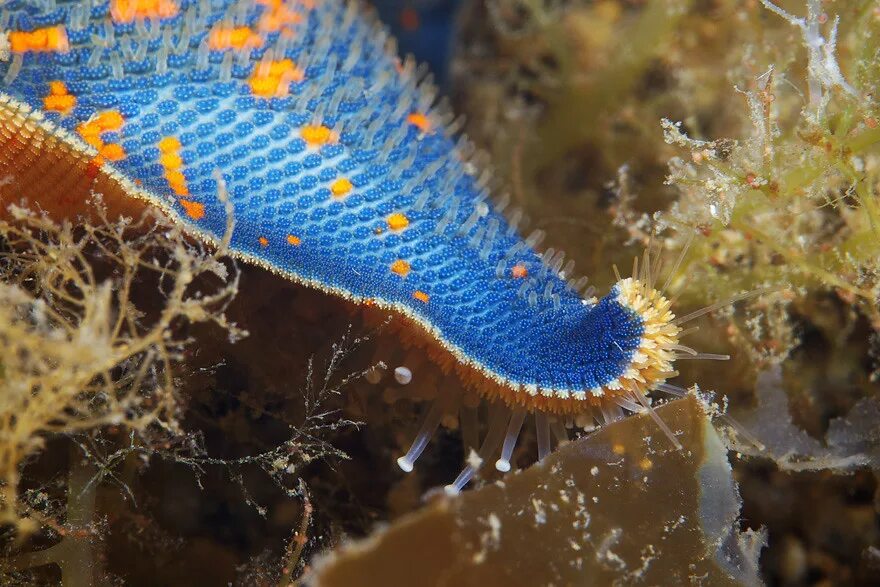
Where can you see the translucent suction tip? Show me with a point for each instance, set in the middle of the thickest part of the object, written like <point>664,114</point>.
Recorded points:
<point>513,428</point>
<point>405,464</point>
<point>497,417</point>
<point>429,426</point>
<point>403,375</point>
<point>463,479</point>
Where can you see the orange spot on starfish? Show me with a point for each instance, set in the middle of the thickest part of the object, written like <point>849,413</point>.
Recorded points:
<point>43,40</point>
<point>195,210</point>
<point>316,135</point>
<point>113,152</point>
<point>279,16</point>
<point>130,10</point>
<point>419,120</point>
<point>58,99</point>
<point>92,130</point>
<point>401,267</point>
<point>397,221</point>
<point>233,38</point>
<point>340,187</point>
<point>273,78</point>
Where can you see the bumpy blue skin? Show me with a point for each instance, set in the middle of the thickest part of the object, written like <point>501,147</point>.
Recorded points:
<point>279,185</point>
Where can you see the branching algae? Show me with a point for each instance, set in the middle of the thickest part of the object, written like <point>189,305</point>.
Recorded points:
<point>81,349</point>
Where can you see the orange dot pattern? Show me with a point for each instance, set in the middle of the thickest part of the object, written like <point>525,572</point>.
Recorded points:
<point>92,130</point>
<point>420,121</point>
<point>341,187</point>
<point>233,38</point>
<point>123,11</point>
<point>330,182</point>
<point>40,40</point>
<point>59,99</point>
<point>397,221</point>
<point>195,210</point>
<point>317,135</point>
<point>273,78</point>
<point>269,79</point>
<point>172,164</point>
<point>280,16</point>
<point>401,267</point>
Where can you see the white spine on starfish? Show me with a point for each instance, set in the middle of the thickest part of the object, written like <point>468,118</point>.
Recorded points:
<point>4,46</point>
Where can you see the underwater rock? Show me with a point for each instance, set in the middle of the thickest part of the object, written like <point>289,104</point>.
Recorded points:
<point>619,506</point>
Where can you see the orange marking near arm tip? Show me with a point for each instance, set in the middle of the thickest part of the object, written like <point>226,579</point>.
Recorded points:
<point>175,177</point>
<point>264,242</point>
<point>169,144</point>
<point>62,104</point>
<point>113,152</point>
<point>294,240</point>
<point>519,272</point>
<point>421,296</point>
<point>110,120</point>
<point>172,162</point>
<point>279,17</point>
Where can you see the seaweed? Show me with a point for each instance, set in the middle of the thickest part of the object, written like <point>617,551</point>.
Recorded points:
<point>616,507</point>
<point>81,351</point>
<point>742,136</point>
